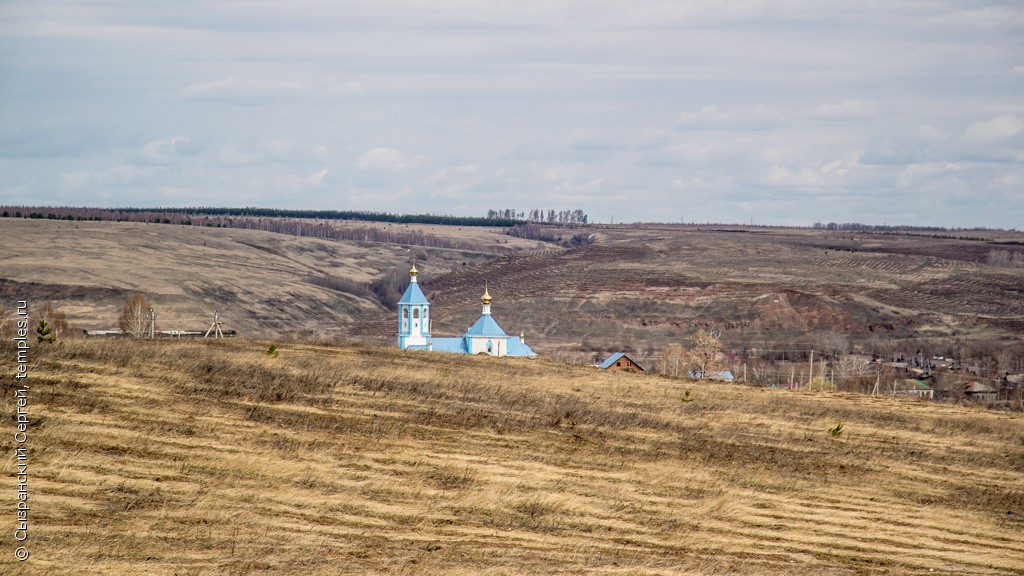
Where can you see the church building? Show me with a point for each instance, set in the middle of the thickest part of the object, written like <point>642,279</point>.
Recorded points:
<point>483,337</point>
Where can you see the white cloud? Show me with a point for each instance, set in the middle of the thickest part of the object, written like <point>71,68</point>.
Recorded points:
<point>919,175</point>
<point>240,91</point>
<point>825,175</point>
<point>317,178</point>
<point>554,175</point>
<point>700,183</point>
<point>846,110</point>
<point>998,128</point>
<point>162,152</point>
<point>706,116</point>
<point>1017,71</point>
<point>351,87</point>
<point>125,175</point>
<point>390,159</point>
<point>232,156</point>
<point>711,117</point>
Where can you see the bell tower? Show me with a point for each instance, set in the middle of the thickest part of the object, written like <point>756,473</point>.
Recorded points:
<point>413,315</point>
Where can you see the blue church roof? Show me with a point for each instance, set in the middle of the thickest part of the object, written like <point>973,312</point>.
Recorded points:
<point>517,348</point>
<point>485,326</point>
<point>413,295</point>
<point>451,345</point>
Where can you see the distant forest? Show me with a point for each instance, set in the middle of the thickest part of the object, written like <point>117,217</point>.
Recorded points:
<point>540,216</point>
<point>504,218</point>
<point>187,215</point>
<point>317,223</point>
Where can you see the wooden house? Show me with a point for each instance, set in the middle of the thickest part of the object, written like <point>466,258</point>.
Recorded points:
<point>980,391</point>
<point>620,361</point>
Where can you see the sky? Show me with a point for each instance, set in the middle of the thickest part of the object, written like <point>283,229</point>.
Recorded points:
<point>782,112</point>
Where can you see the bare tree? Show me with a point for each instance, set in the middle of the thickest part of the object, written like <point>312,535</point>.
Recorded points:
<point>134,320</point>
<point>851,367</point>
<point>705,354</point>
<point>833,343</point>
<point>674,363</point>
<point>55,319</point>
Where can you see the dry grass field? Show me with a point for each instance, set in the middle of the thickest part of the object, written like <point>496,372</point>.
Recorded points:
<point>211,458</point>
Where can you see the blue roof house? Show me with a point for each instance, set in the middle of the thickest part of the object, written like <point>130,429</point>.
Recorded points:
<point>620,361</point>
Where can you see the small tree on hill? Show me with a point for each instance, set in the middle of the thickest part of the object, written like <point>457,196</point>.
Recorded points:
<point>134,320</point>
<point>54,318</point>
<point>44,332</point>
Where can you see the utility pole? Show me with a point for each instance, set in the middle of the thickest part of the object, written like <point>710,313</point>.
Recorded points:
<point>215,327</point>
<point>152,323</point>
<point>810,378</point>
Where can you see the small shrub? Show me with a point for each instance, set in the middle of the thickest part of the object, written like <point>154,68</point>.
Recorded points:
<point>44,333</point>
<point>272,351</point>
<point>537,507</point>
<point>837,430</point>
<point>452,477</point>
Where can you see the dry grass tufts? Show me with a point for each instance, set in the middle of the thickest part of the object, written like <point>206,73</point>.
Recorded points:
<point>213,458</point>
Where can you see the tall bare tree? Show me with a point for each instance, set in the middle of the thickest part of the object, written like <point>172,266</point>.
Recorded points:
<point>674,361</point>
<point>134,320</point>
<point>705,354</point>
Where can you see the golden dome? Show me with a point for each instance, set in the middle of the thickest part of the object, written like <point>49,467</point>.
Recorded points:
<point>413,271</point>
<point>486,298</point>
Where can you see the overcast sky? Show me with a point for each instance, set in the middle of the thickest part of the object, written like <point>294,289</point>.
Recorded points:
<point>776,112</point>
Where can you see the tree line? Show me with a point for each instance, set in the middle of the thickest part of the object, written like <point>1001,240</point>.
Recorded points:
<point>295,226</point>
<point>539,215</point>
<point>187,215</point>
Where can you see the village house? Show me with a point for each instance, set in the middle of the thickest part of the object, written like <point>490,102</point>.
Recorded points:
<point>980,391</point>
<point>619,361</point>
<point>915,390</point>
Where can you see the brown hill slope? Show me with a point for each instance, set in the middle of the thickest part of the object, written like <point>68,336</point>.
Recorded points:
<point>636,288</point>
<point>213,458</point>
<point>262,283</point>
<point>648,287</point>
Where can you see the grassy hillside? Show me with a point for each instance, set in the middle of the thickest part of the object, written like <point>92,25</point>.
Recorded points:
<point>765,288</point>
<point>207,458</point>
<point>262,283</point>
<point>636,288</point>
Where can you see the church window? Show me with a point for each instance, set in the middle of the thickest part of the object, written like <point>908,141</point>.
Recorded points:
<point>415,313</point>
